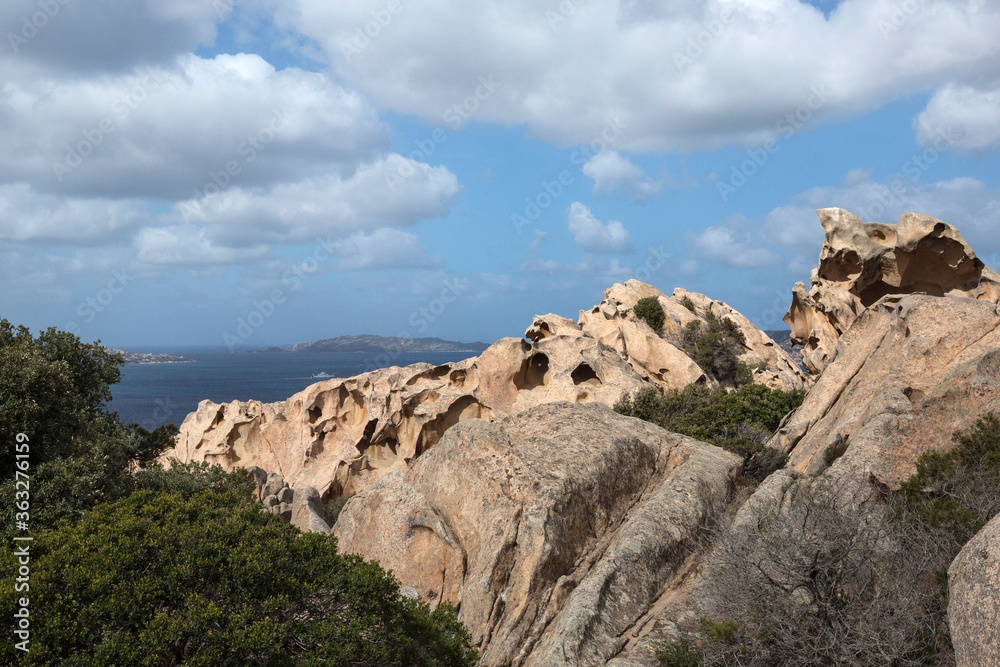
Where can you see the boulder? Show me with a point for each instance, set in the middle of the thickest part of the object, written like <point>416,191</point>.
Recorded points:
<point>553,532</point>
<point>307,511</point>
<point>862,262</point>
<point>973,599</point>
<point>911,370</point>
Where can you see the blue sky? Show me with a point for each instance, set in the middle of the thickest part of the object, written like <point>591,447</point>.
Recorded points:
<point>258,173</point>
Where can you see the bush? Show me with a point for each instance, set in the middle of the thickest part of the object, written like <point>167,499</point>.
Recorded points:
<point>678,653</point>
<point>824,580</point>
<point>650,311</point>
<point>688,303</point>
<point>740,421</point>
<point>716,345</point>
<point>207,578</point>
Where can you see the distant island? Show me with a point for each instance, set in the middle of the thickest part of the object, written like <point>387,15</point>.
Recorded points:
<point>367,344</point>
<point>150,358</point>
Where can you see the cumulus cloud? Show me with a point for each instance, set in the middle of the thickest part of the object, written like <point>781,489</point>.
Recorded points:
<point>688,75</point>
<point>189,246</point>
<point>971,114</point>
<point>728,246</point>
<point>591,235</point>
<point>614,174</point>
<point>171,131</point>
<point>384,249</point>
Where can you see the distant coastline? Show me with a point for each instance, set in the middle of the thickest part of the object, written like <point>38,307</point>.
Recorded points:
<point>369,344</point>
<point>150,358</point>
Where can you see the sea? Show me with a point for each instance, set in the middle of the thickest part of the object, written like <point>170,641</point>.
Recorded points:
<point>152,395</point>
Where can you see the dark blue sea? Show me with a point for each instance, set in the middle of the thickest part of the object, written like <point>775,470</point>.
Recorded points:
<point>152,395</point>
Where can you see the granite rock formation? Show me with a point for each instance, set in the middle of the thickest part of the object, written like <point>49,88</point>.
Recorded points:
<point>554,532</point>
<point>974,599</point>
<point>862,262</point>
<point>340,435</point>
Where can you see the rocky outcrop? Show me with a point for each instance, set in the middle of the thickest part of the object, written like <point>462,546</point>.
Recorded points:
<point>658,356</point>
<point>910,371</point>
<point>973,599</point>
<point>302,508</point>
<point>862,262</point>
<point>554,532</point>
<point>341,435</point>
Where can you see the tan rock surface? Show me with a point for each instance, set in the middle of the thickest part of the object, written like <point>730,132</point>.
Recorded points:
<point>659,357</point>
<point>974,599</point>
<point>553,531</point>
<point>341,434</point>
<point>862,262</point>
<point>910,371</point>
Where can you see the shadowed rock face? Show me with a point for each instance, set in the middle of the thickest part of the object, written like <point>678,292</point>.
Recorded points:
<point>554,531</point>
<point>340,435</point>
<point>862,262</point>
<point>973,600</point>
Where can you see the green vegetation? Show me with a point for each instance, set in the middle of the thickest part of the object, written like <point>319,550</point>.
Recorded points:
<point>716,345</point>
<point>688,303</point>
<point>209,579</point>
<point>132,564</point>
<point>650,311</point>
<point>740,421</point>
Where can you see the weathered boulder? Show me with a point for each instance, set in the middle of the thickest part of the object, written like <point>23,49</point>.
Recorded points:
<point>974,599</point>
<point>862,262</point>
<point>911,371</point>
<point>658,355</point>
<point>307,511</point>
<point>553,531</point>
<point>340,435</point>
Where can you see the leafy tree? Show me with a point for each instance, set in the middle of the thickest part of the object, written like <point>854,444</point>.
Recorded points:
<point>650,311</point>
<point>716,345</point>
<point>203,577</point>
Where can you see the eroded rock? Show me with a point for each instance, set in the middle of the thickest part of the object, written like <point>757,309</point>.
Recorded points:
<point>862,262</point>
<point>553,531</point>
<point>911,371</point>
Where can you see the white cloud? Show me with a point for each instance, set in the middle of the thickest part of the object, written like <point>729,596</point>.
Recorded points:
<point>972,114</point>
<point>28,216</point>
<point>591,235</point>
<point>169,130</point>
<point>189,246</point>
<point>384,249</point>
<point>613,174</point>
<point>566,78</point>
<point>728,246</point>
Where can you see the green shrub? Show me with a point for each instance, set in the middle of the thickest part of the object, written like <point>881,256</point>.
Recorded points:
<point>678,653</point>
<point>835,451</point>
<point>688,303</point>
<point>209,579</point>
<point>740,421</point>
<point>650,311</point>
<point>716,345</point>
